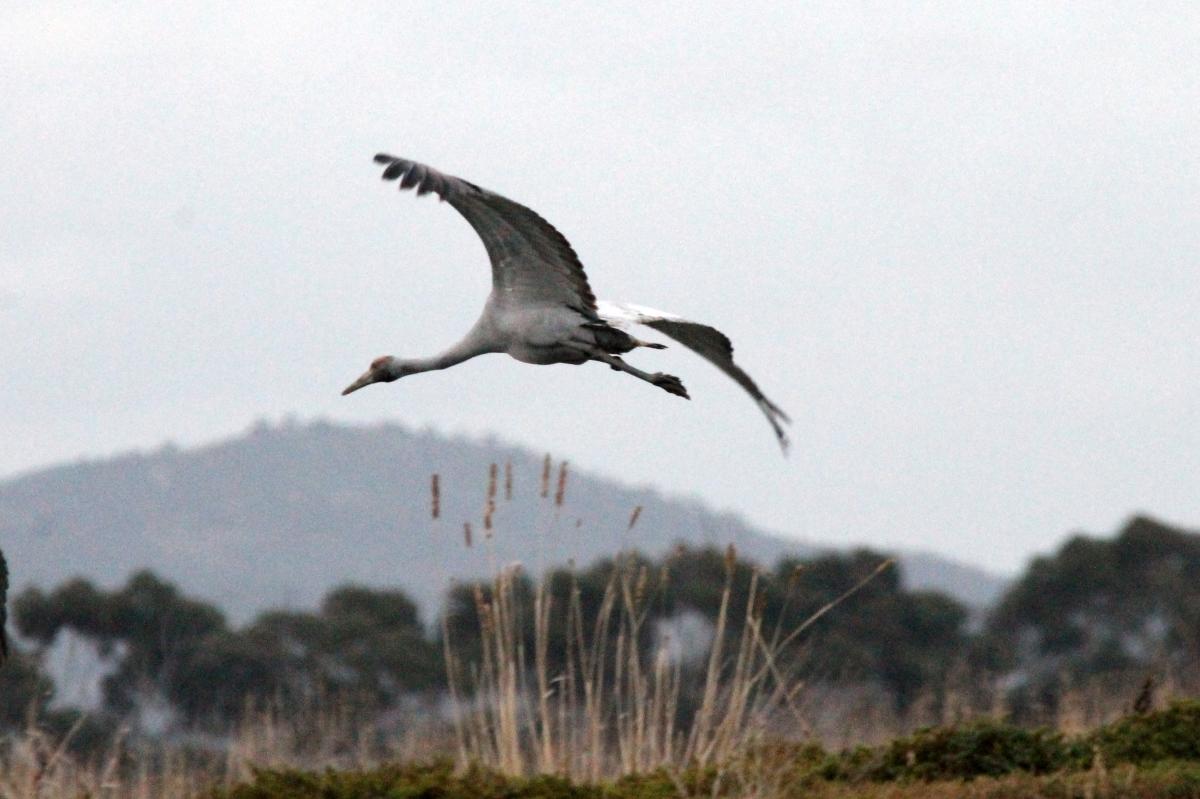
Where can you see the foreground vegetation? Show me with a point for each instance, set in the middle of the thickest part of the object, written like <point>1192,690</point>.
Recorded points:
<point>1147,755</point>
<point>1155,754</point>
<point>695,674</point>
<point>1175,781</point>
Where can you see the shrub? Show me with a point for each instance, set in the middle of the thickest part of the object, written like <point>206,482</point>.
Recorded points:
<point>436,781</point>
<point>982,748</point>
<point>1171,734</point>
<point>1169,738</point>
<point>1150,755</point>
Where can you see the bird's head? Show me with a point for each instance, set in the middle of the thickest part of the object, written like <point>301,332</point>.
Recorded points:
<point>383,369</point>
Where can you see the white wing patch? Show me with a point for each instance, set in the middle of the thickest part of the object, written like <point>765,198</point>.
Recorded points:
<point>628,312</point>
<point>704,340</point>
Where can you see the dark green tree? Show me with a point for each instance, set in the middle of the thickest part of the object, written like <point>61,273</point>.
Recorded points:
<point>158,629</point>
<point>1101,609</point>
<point>900,639</point>
<point>25,690</point>
<point>363,645</point>
<point>3,607</point>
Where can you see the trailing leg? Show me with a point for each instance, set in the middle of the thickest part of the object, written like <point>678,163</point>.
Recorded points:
<point>668,383</point>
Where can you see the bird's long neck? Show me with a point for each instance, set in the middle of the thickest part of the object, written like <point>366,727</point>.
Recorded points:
<point>464,350</point>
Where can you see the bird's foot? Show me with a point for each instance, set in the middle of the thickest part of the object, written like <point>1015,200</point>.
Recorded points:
<point>670,383</point>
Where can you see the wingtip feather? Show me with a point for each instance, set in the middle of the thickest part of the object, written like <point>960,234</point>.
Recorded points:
<point>774,416</point>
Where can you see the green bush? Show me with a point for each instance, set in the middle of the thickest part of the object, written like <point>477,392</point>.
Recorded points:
<point>435,781</point>
<point>989,748</point>
<point>1171,734</point>
<point>1157,753</point>
<point>983,748</point>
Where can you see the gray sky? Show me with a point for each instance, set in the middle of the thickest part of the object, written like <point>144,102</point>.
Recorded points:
<point>958,242</point>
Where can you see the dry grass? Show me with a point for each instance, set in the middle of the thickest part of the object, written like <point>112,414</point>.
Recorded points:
<point>613,709</point>
<point>35,764</point>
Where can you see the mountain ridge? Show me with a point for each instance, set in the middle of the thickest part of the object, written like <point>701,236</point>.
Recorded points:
<point>277,516</point>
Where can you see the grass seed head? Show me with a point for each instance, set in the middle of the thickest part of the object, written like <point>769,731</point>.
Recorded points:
<point>794,577</point>
<point>561,492</point>
<point>435,491</point>
<point>489,506</point>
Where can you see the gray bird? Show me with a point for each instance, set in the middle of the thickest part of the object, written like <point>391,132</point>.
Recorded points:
<point>541,309</point>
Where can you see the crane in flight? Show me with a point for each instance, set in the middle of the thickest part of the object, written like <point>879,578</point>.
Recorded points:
<point>541,309</point>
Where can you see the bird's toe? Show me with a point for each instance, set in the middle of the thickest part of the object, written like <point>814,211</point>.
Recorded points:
<point>671,384</point>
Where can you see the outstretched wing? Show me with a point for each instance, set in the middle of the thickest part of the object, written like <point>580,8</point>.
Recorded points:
<point>532,263</point>
<point>705,340</point>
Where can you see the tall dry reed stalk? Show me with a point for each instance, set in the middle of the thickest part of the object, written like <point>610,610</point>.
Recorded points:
<point>612,705</point>
<point>328,733</point>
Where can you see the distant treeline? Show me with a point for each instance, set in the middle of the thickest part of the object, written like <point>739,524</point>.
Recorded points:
<point>1097,612</point>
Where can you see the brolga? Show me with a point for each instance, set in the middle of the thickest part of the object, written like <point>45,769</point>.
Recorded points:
<point>541,309</point>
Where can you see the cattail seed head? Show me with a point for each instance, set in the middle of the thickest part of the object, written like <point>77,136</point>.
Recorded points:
<point>546,476</point>
<point>561,492</point>
<point>435,491</point>
<point>489,507</point>
<point>794,577</point>
<point>730,559</point>
<point>633,517</point>
<point>467,533</point>
<point>508,481</point>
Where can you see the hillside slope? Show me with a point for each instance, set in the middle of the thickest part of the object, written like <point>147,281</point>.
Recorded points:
<point>281,514</point>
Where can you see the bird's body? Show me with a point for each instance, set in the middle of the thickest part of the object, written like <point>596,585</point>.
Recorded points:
<point>539,335</point>
<point>541,309</point>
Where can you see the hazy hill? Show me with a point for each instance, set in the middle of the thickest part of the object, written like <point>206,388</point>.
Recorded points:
<point>281,514</point>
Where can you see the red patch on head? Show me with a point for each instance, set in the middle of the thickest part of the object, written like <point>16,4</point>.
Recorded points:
<point>380,362</point>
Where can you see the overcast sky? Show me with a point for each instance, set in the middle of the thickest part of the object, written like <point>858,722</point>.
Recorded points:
<point>959,243</point>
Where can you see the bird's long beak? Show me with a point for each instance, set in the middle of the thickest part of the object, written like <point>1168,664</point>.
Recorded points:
<point>367,378</point>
